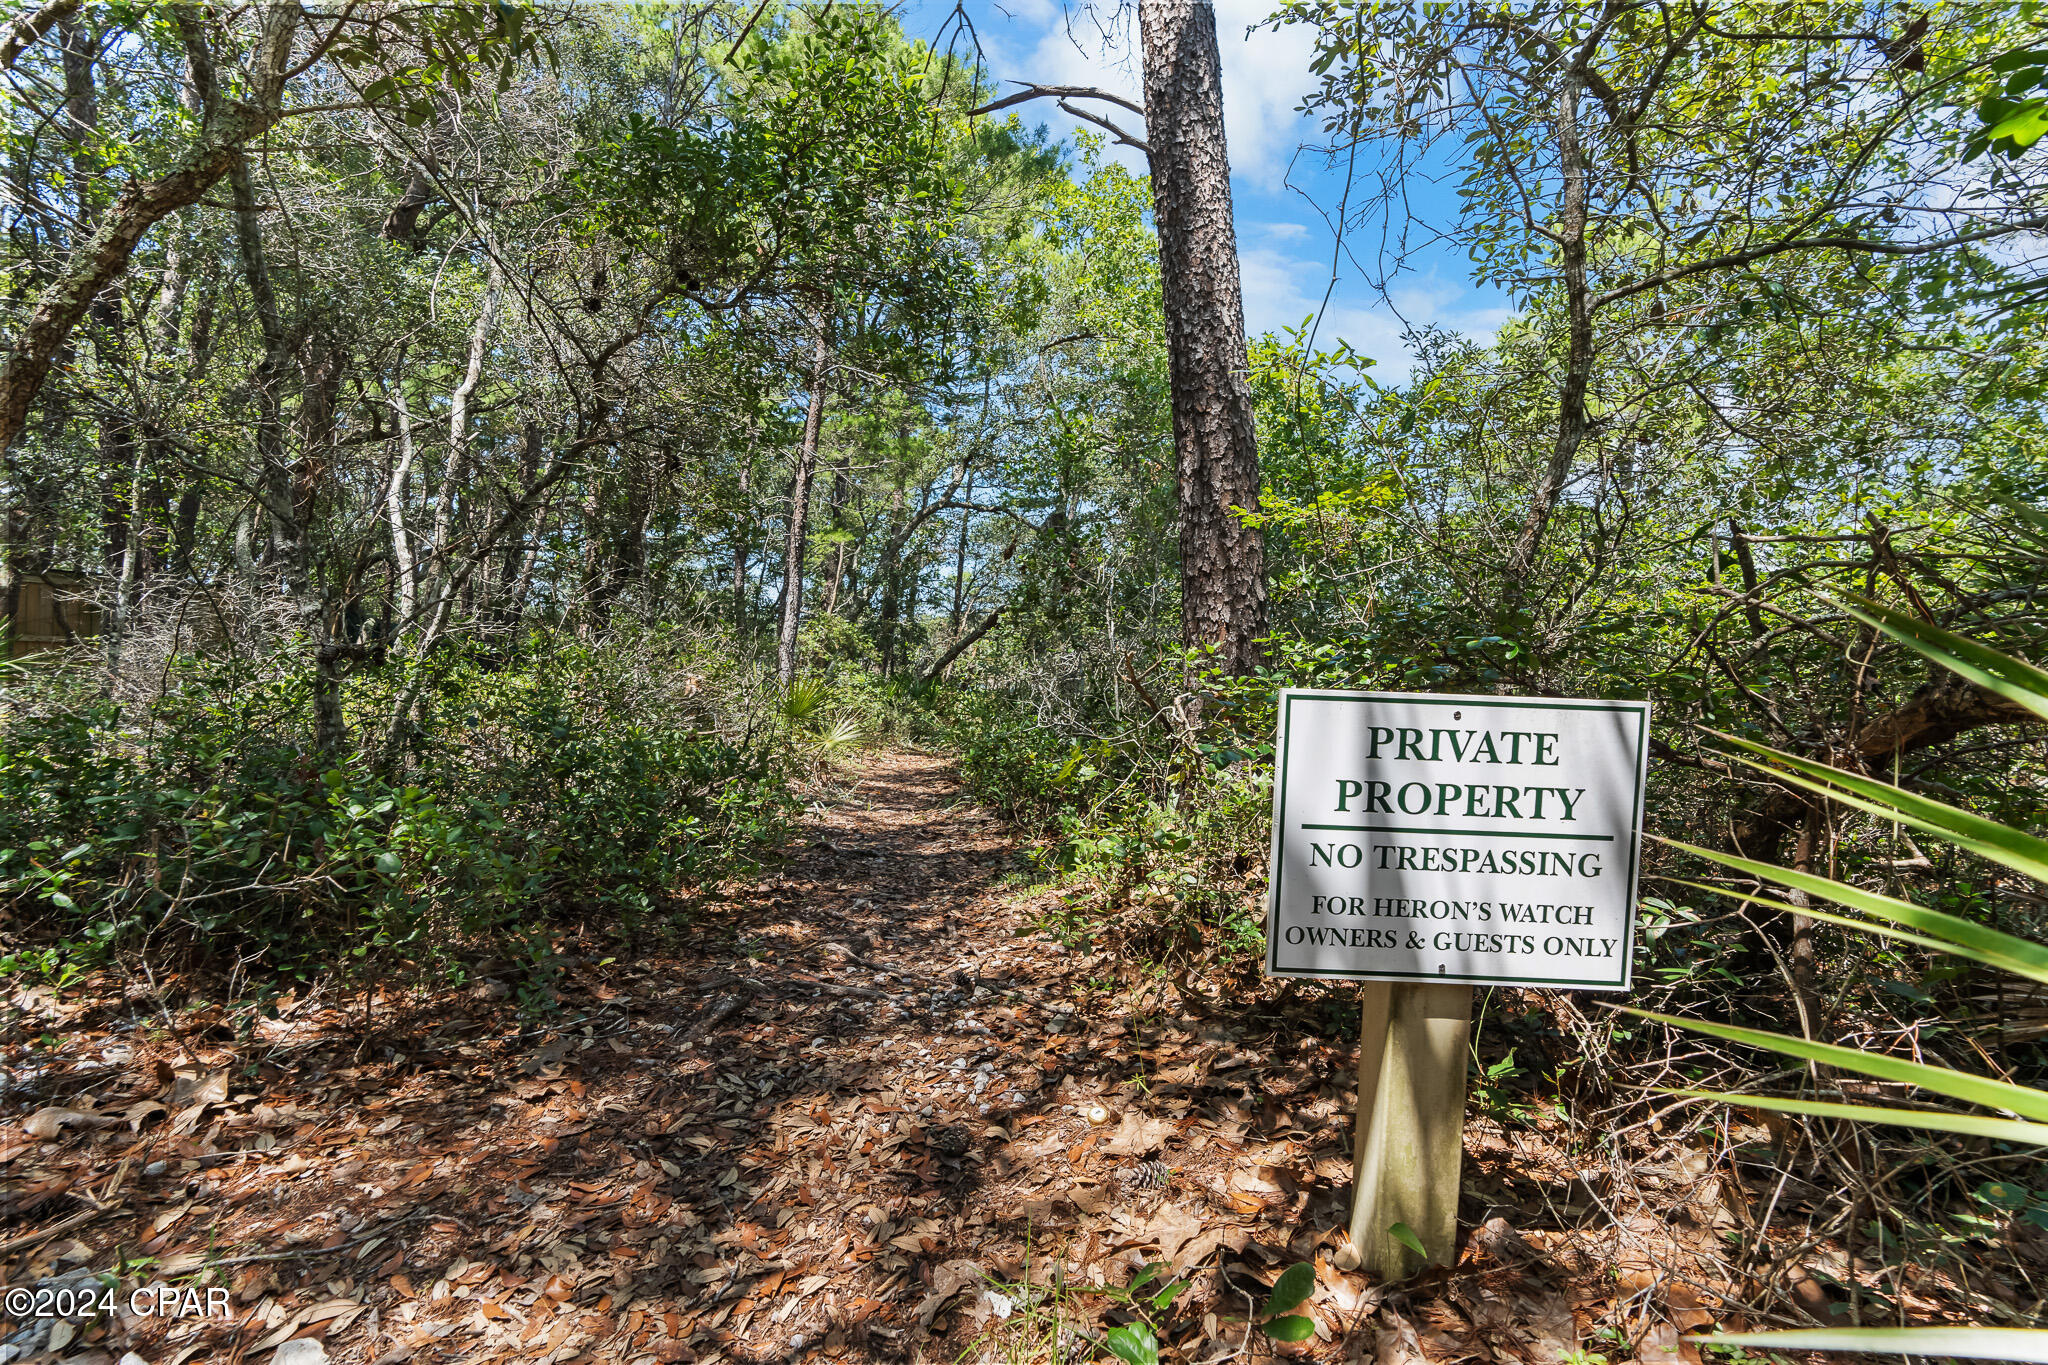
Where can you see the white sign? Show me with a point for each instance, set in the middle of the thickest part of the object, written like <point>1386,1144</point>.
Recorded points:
<point>1491,840</point>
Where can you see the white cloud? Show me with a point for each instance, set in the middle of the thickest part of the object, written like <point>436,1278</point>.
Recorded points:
<point>1284,261</point>
<point>1265,74</point>
<point>1282,287</point>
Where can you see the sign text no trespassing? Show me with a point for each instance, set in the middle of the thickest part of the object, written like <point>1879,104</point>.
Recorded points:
<point>1490,840</point>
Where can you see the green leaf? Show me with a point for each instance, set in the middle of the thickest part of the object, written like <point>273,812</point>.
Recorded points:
<point>1295,1284</point>
<point>388,864</point>
<point>2025,126</point>
<point>2021,956</point>
<point>1405,1235</point>
<point>2033,523</point>
<point>1957,1085</point>
<point>2021,852</point>
<point>1932,1120</point>
<point>1289,1329</point>
<point>1166,1296</point>
<point>1134,1344</point>
<point>1147,1275</point>
<point>1962,1343</point>
<point>1991,669</point>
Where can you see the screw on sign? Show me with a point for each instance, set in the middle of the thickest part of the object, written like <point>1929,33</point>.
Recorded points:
<point>1423,845</point>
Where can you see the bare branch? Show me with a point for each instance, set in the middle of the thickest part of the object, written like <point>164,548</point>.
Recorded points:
<point>1864,245</point>
<point>1064,92</point>
<point>28,30</point>
<point>960,646</point>
<point>1121,136</point>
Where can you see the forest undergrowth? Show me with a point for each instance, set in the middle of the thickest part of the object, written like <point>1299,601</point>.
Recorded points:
<point>1157,834</point>
<point>914,1091</point>
<point>639,650</point>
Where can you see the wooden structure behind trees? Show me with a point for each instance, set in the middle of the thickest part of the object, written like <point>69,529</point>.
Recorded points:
<point>53,610</point>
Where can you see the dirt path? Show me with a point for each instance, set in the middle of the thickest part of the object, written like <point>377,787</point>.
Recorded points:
<point>856,1095</point>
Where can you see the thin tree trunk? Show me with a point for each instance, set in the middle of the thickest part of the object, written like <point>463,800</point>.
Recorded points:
<point>1573,425</point>
<point>890,570</point>
<point>99,260</point>
<point>436,613</point>
<point>1805,969</point>
<point>742,532</point>
<point>841,494</point>
<point>593,557</point>
<point>285,488</point>
<point>120,453</point>
<point>126,585</point>
<point>509,592</point>
<point>960,566</point>
<point>14,521</point>
<point>289,549</point>
<point>165,311</point>
<point>248,575</point>
<point>81,118</point>
<point>185,528</point>
<point>1223,570</point>
<point>405,572</point>
<point>461,439</point>
<point>799,516</point>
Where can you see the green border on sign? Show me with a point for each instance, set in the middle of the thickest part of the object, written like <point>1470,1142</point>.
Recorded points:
<point>1639,709</point>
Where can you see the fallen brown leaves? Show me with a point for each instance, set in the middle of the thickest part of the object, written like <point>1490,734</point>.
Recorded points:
<point>852,1118</point>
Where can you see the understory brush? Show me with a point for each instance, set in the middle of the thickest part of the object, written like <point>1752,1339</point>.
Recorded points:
<point>530,785</point>
<point>1155,819</point>
<point>1156,816</point>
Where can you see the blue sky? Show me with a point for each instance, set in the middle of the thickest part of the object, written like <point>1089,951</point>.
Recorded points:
<point>1285,196</point>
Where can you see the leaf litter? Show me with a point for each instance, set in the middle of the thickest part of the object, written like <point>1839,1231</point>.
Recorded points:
<point>870,1113</point>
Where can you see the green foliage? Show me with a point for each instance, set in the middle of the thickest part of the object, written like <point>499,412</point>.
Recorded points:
<point>1290,1291</point>
<point>2014,114</point>
<point>545,783</point>
<point>1942,933</point>
<point>1148,1299</point>
<point>1134,1345</point>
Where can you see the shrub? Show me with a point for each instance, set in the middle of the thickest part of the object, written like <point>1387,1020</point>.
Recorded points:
<point>556,780</point>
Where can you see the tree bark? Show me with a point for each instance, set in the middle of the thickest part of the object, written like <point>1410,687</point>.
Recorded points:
<point>404,572</point>
<point>799,515</point>
<point>1943,708</point>
<point>509,592</point>
<point>1573,424</point>
<point>1223,571</point>
<point>959,614</point>
<point>99,260</point>
<point>461,440</point>
<point>27,30</point>
<point>14,521</point>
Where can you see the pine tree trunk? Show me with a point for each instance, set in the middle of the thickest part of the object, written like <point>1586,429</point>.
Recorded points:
<point>799,518</point>
<point>1223,570</point>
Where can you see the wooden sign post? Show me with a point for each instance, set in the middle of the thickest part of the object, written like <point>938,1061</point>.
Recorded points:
<point>1427,844</point>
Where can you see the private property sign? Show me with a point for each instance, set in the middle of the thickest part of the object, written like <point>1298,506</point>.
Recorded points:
<point>1487,840</point>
